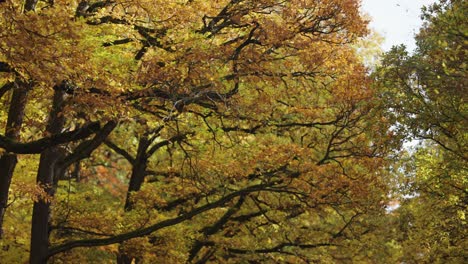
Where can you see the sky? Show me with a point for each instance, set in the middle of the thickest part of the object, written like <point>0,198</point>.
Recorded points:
<point>396,20</point>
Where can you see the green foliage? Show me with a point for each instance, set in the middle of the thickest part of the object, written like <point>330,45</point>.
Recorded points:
<point>426,97</point>
<point>232,132</point>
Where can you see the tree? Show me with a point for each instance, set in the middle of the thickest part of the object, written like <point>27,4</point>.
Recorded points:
<point>426,95</point>
<point>249,128</point>
<point>12,131</point>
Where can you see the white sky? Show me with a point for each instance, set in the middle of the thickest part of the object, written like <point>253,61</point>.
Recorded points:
<point>396,20</point>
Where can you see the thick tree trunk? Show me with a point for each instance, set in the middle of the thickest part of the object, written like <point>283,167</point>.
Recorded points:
<point>45,178</point>
<point>41,210</point>
<point>8,160</point>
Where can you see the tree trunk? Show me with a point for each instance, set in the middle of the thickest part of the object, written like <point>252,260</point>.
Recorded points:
<point>13,128</point>
<point>45,178</point>
<point>8,160</point>
<point>122,258</point>
<point>136,180</point>
<point>138,171</point>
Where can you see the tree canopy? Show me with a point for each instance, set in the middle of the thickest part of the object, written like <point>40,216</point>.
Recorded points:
<point>426,94</point>
<point>231,131</point>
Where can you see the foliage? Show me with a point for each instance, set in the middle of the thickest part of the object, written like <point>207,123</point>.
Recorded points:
<point>426,95</point>
<point>230,131</point>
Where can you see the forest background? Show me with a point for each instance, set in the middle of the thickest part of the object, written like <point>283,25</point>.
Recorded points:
<point>230,131</point>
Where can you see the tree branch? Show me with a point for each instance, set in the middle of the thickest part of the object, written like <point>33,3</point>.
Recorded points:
<point>120,151</point>
<point>279,248</point>
<point>40,145</point>
<point>155,227</point>
<point>166,142</point>
<point>85,148</point>
<point>4,67</point>
<point>216,227</point>
<point>117,42</point>
<point>6,87</point>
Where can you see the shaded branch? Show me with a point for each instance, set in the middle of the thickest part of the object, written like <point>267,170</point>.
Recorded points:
<point>78,230</point>
<point>251,130</point>
<point>247,217</point>
<point>224,16</point>
<point>347,224</point>
<point>4,67</point>
<point>166,142</point>
<point>311,124</point>
<point>180,201</point>
<point>155,227</point>
<point>216,227</point>
<point>6,87</point>
<point>85,149</point>
<point>120,151</point>
<point>117,42</point>
<point>40,145</point>
<point>279,248</point>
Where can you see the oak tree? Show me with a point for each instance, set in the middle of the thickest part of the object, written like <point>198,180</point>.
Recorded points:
<point>248,130</point>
